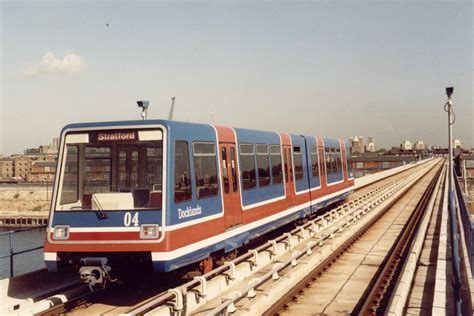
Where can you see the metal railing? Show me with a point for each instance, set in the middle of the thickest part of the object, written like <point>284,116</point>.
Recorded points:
<point>12,253</point>
<point>466,222</point>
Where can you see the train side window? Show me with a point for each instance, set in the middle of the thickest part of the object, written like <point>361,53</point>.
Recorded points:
<point>234,169</point>
<point>70,188</point>
<point>263,165</point>
<point>205,169</point>
<point>338,160</point>
<point>182,175</point>
<point>298,161</point>
<point>314,161</point>
<point>327,154</point>
<point>247,166</point>
<point>285,159</point>
<point>334,160</point>
<point>349,163</point>
<point>225,175</point>
<point>275,160</point>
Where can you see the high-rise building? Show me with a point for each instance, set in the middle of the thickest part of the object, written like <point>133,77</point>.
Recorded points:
<point>457,144</point>
<point>357,143</point>
<point>406,145</point>
<point>419,145</point>
<point>370,147</point>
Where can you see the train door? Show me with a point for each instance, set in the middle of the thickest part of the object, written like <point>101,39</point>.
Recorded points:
<point>230,185</point>
<point>289,181</point>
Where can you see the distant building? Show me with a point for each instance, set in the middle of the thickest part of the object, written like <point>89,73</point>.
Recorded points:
<point>357,144</point>
<point>469,161</point>
<point>22,167</point>
<point>419,145</point>
<point>42,171</point>
<point>406,145</point>
<point>6,168</point>
<point>32,151</point>
<point>370,147</point>
<point>457,144</point>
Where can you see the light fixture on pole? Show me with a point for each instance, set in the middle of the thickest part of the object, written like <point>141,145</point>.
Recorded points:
<point>144,105</point>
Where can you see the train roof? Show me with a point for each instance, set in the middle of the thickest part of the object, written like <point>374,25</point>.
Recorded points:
<point>173,124</point>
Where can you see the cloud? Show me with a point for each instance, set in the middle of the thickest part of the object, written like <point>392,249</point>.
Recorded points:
<point>70,64</point>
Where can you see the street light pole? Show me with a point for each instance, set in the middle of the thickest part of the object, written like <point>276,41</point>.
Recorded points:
<point>456,258</point>
<point>448,108</point>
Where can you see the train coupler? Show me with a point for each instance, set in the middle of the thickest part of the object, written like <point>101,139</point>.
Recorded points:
<point>95,271</point>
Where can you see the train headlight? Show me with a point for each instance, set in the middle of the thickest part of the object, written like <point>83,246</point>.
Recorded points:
<point>61,232</point>
<point>149,231</point>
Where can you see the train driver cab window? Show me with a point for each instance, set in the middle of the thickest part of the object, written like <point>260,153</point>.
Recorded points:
<point>275,159</point>
<point>263,165</point>
<point>107,170</point>
<point>205,169</point>
<point>182,176</point>
<point>298,161</point>
<point>69,190</point>
<point>247,166</point>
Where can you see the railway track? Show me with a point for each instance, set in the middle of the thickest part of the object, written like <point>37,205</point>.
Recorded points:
<point>161,299</point>
<point>368,260</point>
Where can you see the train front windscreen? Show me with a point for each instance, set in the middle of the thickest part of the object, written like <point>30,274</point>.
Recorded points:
<point>111,170</point>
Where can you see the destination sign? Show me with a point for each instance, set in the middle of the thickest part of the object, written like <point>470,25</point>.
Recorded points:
<point>116,136</point>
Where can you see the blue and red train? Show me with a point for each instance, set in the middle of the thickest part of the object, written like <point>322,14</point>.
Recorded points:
<point>172,193</point>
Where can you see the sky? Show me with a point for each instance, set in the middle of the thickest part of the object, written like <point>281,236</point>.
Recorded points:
<point>328,68</point>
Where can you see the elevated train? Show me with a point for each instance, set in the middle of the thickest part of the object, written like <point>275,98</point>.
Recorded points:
<point>170,194</point>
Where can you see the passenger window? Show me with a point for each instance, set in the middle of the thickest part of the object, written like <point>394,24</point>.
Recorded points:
<point>333,160</point>
<point>338,160</point>
<point>182,176</point>
<point>225,175</point>
<point>205,169</point>
<point>234,169</point>
<point>314,161</point>
<point>275,159</point>
<point>298,161</point>
<point>263,165</point>
<point>285,157</point>
<point>247,166</point>
<point>327,154</point>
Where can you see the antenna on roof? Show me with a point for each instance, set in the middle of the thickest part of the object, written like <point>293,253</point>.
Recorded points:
<point>212,118</point>
<point>187,116</point>
<point>171,109</point>
<point>144,105</point>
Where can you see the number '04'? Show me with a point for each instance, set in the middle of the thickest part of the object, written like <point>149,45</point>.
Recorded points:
<point>128,219</point>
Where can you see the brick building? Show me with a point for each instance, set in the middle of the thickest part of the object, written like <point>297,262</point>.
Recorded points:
<point>42,171</point>
<point>6,168</point>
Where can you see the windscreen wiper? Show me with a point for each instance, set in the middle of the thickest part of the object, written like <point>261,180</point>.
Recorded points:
<point>99,212</point>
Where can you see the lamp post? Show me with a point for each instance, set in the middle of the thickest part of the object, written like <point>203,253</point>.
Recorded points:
<point>456,259</point>
<point>448,108</point>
